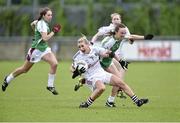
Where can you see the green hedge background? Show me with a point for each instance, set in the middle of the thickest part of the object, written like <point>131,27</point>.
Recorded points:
<point>141,16</point>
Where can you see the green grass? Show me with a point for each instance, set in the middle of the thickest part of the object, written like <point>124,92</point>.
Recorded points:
<point>27,99</point>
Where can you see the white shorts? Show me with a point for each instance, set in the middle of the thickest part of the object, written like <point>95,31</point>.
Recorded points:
<point>104,77</point>
<point>35,55</point>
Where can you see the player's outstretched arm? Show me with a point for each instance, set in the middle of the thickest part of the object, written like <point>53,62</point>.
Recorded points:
<point>141,37</point>
<point>95,37</point>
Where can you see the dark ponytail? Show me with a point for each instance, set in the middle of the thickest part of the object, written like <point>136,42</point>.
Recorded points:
<point>43,11</point>
<point>121,25</point>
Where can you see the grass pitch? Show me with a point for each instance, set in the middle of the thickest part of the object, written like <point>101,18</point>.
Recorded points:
<point>26,98</point>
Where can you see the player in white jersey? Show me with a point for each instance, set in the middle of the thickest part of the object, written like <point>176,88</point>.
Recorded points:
<point>106,31</point>
<point>95,75</point>
<point>39,50</point>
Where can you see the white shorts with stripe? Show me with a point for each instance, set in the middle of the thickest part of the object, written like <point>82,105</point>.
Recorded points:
<point>102,76</point>
<point>35,55</point>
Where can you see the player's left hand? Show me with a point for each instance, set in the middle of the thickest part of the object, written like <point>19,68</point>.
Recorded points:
<point>56,28</point>
<point>148,37</point>
<point>124,64</point>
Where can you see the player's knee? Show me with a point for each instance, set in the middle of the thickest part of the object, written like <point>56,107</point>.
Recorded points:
<point>102,88</point>
<point>54,65</point>
<point>121,84</point>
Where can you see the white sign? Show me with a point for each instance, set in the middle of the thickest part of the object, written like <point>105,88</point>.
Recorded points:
<point>152,50</point>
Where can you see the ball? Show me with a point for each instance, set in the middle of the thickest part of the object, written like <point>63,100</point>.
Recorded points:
<point>82,63</point>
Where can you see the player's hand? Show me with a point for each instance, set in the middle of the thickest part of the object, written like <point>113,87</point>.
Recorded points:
<point>111,54</point>
<point>78,72</point>
<point>82,70</point>
<point>148,37</point>
<point>75,73</point>
<point>56,28</point>
<point>124,64</point>
<point>131,41</point>
<point>82,81</point>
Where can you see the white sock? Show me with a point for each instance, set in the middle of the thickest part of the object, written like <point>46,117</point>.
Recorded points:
<point>9,78</point>
<point>111,99</point>
<point>51,78</point>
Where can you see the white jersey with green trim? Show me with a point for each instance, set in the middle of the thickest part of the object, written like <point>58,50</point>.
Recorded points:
<point>104,31</point>
<point>108,42</point>
<point>119,51</point>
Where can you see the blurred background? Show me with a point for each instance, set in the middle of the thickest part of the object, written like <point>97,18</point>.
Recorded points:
<point>158,17</point>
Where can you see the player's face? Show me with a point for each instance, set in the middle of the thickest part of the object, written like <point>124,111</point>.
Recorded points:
<point>48,16</point>
<point>83,47</point>
<point>116,19</point>
<point>121,32</point>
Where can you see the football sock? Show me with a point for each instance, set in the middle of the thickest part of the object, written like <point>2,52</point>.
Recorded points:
<point>134,99</point>
<point>89,101</point>
<point>51,78</point>
<point>9,78</point>
<point>111,99</point>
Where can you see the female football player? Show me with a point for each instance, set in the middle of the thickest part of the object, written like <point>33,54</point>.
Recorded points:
<point>39,50</point>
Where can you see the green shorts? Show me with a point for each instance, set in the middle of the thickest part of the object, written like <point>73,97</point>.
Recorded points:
<point>106,62</point>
